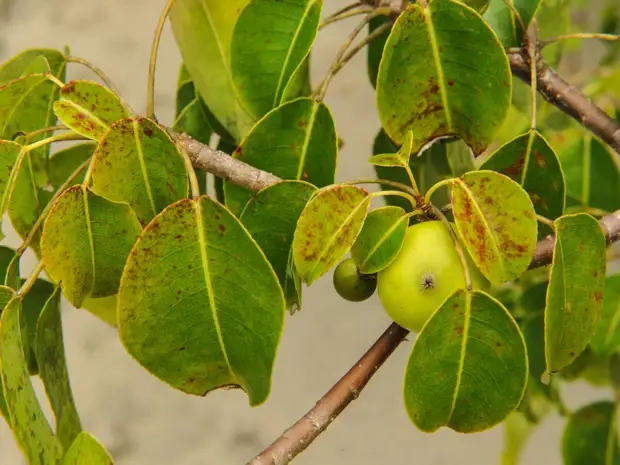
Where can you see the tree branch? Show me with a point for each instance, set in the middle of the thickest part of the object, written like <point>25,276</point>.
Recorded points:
<point>568,98</point>
<point>299,436</point>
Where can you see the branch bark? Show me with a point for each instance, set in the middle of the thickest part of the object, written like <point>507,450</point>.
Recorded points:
<point>568,98</point>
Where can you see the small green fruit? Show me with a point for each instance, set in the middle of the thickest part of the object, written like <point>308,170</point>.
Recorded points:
<point>424,274</point>
<point>350,284</point>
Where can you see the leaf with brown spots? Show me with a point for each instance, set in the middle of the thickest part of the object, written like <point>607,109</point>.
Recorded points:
<point>497,222</point>
<point>85,244</point>
<point>136,162</point>
<point>50,354</point>
<point>275,38</point>
<point>530,161</point>
<point>86,450</point>
<point>606,339</point>
<point>296,141</point>
<point>327,229</point>
<point>199,305</point>
<point>576,287</point>
<point>88,108</point>
<point>32,109</point>
<point>468,366</point>
<point>443,73</point>
<point>31,429</point>
<point>590,436</point>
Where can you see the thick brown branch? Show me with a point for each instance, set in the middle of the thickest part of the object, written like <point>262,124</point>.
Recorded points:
<point>299,436</point>
<point>224,166</point>
<point>569,99</point>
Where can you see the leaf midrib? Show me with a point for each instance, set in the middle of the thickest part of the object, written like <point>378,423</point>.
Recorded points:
<point>300,26</point>
<point>202,243</point>
<point>438,65</point>
<point>382,239</point>
<point>459,374</point>
<point>308,136</point>
<point>81,109</point>
<point>145,176</point>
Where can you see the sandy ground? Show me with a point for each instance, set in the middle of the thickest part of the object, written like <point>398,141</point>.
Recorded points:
<point>143,421</point>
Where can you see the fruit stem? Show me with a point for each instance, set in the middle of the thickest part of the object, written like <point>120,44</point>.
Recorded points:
<point>404,195</point>
<point>457,246</point>
<point>432,189</point>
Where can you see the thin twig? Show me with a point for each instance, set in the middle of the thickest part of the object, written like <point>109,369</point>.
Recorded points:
<point>345,15</point>
<point>580,35</point>
<point>32,279</point>
<point>150,96</point>
<point>104,78</point>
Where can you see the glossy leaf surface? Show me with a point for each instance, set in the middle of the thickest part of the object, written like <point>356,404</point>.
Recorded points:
<point>203,30</point>
<point>271,217</point>
<point>468,366</point>
<point>576,287</point>
<point>199,305</point>
<point>380,239</point>
<point>438,63</point>
<point>270,41</point>
<point>296,141</point>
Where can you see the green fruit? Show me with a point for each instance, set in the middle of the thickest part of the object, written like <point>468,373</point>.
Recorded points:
<point>350,284</point>
<point>424,274</point>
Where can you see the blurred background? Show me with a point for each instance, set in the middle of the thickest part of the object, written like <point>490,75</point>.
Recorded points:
<point>143,421</point>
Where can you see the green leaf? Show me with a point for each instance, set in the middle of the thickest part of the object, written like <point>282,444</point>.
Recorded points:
<point>203,30</point>
<point>26,201</point>
<point>270,217</point>
<point>606,339</point>
<point>400,158</point>
<point>6,257</point>
<point>380,239</point>
<point>137,162</point>
<point>576,286</point>
<point>503,21</point>
<point>497,222</point>
<point>64,162</point>
<point>591,436</point>
<point>421,84</point>
<point>50,354</point>
<point>270,41</point>
<point>199,305</point>
<point>6,294</point>
<point>327,228</point>
<point>533,329</point>
<point>468,366</point>
<point>31,429</point>
<point>383,144</point>
<point>375,47</point>
<point>296,141</point>
<point>592,175</point>
<point>86,450</point>
<point>85,244</point>
<point>34,109</point>
<point>32,306</point>
<point>9,154</point>
<point>299,85</point>
<point>12,278</point>
<point>530,161</point>
<point>89,108</point>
